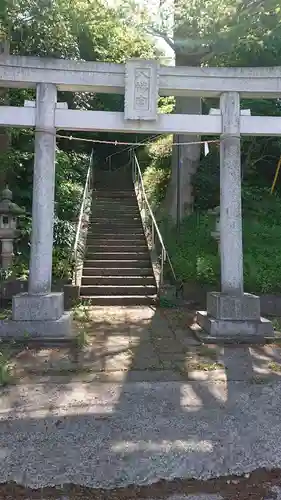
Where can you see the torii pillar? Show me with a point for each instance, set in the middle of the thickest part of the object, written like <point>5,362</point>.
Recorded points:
<point>40,312</point>
<point>231,314</point>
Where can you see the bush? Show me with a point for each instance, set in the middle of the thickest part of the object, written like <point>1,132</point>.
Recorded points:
<point>64,238</point>
<point>157,174</point>
<point>63,264</point>
<point>194,252</point>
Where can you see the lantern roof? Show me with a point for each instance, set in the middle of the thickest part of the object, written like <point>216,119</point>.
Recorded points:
<point>7,206</point>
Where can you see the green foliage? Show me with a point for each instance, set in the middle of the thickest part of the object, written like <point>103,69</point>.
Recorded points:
<point>63,265</point>
<point>75,29</point>
<point>5,368</point>
<point>82,338</point>
<point>157,175</point>
<point>194,253</point>
<point>166,105</point>
<point>64,237</point>
<point>71,172</point>
<point>206,181</point>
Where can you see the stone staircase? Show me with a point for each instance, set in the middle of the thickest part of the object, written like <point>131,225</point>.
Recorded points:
<point>117,267</point>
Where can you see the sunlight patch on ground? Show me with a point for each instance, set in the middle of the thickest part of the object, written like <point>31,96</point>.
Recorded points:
<point>163,446</point>
<point>189,398</point>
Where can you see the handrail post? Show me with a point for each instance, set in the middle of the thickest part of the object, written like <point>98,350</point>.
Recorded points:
<point>87,187</point>
<point>162,267</point>
<point>152,235</point>
<point>132,162</point>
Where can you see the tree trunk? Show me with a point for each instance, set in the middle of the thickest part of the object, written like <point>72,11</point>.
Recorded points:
<point>185,158</point>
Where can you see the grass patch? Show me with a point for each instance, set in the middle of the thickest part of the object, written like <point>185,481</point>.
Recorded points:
<point>167,302</point>
<point>5,314</point>
<point>82,339</point>
<point>6,374</point>
<point>206,366</point>
<point>81,313</point>
<point>275,367</point>
<point>206,352</point>
<point>193,251</point>
<point>276,323</point>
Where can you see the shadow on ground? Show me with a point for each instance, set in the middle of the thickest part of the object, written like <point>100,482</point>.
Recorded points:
<point>148,420</point>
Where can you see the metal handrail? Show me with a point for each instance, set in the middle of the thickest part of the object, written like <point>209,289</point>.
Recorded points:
<point>87,189</point>
<point>138,181</point>
<point>129,148</point>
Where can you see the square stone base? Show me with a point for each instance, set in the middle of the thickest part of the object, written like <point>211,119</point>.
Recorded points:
<point>231,307</point>
<point>246,331</point>
<point>49,307</point>
<point>47,329</point>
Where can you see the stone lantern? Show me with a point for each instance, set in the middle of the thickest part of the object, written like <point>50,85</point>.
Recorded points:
<point>9,213</point>
<point>216,234</point>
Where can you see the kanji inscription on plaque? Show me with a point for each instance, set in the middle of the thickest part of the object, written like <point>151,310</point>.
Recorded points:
<point>141,90</point>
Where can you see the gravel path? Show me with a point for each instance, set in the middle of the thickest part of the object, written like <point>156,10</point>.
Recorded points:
<point>113,435</point>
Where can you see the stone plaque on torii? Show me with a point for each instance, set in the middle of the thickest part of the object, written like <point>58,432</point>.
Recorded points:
<point>141,90</point>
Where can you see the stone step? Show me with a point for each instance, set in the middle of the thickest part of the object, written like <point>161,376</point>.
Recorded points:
<point>99,236</point>
<point>102,212</point>
<point>115,208</point>
<point>114,214</point>
<point>113,246</point>
<point>126,195</point>
<point>118,290</point>
<point>117,271</point>
<point>118,207</point>
<point>116,222</point>
<point>120,263</point>
<point>118,280</point>
<point>113,184</point>
<point>119,232</point>
<point>115,238</point>
<point>122,300</point>
<point>118,225</point>
<point>99,229</point>
<point>117,256</point>
<point>115,189</point>
<point>129,202</point>
<point>131,220</point>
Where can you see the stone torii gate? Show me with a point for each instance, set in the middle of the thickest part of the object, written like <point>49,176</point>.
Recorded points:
<point>231,312</point>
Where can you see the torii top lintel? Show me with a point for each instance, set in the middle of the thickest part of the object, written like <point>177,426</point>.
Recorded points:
<point>21,71</point>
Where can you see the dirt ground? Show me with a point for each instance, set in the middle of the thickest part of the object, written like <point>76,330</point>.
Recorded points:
<point>150,347</point>
<point>256,486</point>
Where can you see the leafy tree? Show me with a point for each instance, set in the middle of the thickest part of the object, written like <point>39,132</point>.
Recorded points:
<point>75,29</point>
<point>220,33</point>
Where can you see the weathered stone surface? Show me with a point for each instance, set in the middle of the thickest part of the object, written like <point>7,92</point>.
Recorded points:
<point>141,89</point>
<point>38,307</point>
<point>71,295</point>
<point>230,307</point>
<point>270,304</point>
<point>60,328</point>
<point>12,287</point>
<point>238,330</point>
<point>96,76</point>
<point>40,274</point>
<point>231,251</point>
